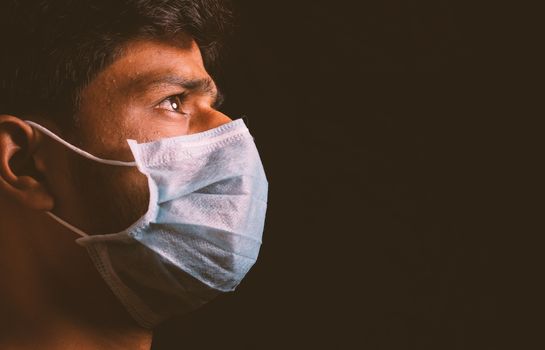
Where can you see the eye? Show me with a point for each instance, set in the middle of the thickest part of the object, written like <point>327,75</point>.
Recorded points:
<point>173,103</point>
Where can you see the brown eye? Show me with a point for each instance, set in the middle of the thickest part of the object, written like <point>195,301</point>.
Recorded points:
<point>173,103</point>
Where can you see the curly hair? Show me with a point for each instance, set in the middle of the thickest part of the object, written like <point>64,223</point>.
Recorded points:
<point>52,49</point>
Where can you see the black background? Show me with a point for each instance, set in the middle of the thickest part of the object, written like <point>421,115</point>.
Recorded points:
<point>381,125</point>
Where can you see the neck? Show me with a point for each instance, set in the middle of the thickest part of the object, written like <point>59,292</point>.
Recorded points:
<point>52,297</point>
<point>56,333</point>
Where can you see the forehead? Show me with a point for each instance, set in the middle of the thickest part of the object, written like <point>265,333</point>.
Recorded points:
<point>147,60</point>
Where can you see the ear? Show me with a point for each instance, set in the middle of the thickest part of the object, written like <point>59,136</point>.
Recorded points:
<point>21,176</point>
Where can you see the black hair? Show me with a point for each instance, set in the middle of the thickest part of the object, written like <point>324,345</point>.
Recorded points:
<point>50,50</point>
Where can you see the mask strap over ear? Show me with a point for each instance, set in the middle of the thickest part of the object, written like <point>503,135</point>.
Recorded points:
<point>78,150</point>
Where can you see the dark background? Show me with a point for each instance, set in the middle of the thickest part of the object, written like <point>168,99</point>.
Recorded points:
<point>385,131</point>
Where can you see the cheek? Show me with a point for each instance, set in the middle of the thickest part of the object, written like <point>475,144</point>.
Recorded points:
<point>129,196</point>
<point>103,132</point>
<point>146,125</point>
<point>112,198</point>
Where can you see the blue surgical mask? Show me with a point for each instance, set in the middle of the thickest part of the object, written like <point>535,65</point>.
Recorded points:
<point>202,231</point>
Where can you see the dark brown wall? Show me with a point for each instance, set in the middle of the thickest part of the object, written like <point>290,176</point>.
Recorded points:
<point>381,125</point>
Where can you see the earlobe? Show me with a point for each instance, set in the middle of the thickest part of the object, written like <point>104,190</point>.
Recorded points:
<point>21,178</point>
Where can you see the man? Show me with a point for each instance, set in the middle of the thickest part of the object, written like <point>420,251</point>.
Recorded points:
<point>77,80</point>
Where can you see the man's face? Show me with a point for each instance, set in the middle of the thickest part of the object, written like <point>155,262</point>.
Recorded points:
<point>153,90</point>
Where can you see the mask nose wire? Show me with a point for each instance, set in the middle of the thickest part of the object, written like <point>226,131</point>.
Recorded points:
<point>78,150</point>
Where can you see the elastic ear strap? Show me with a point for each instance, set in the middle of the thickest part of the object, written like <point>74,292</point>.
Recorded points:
<point>78,150</point>
<point>67,225</point>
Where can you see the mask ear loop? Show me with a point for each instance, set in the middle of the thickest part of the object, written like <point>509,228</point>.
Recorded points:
<point>84,154</point>
<point>78,150</point>
<point>67,225</point>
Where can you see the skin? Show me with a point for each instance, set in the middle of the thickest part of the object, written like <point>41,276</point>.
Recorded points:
<point>51,293</point>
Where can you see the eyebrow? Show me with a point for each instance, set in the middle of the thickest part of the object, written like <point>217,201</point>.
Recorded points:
<point>205,86</point>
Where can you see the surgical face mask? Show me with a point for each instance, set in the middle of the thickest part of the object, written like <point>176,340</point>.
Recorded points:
<point>202,231</point>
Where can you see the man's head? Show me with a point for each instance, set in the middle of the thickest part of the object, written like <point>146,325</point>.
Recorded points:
<point>99,72</point>
<point>96,72</point>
